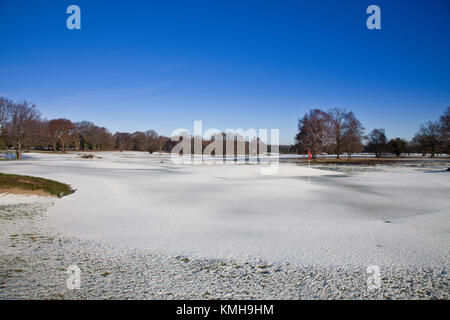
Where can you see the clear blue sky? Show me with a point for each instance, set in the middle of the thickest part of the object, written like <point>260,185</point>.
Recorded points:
<point>138,65</point>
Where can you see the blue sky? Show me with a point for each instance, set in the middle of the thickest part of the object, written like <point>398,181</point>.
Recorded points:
<point>138,65</point>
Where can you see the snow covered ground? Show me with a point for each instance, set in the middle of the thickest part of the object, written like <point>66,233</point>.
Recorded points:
<point>306,218</point>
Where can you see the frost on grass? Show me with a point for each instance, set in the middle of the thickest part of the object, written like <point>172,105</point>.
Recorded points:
<point>141,228</point>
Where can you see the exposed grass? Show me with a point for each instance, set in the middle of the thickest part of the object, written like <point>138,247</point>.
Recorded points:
<point>360,161</point>
<point>28,183</point>
<point>368,161</point>
<point>87,156</point>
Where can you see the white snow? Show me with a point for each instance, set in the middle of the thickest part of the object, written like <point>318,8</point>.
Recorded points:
<point>14,199</point>
<point>303,216</point>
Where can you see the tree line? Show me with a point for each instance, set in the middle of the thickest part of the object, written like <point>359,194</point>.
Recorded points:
<point>22,128</point>
<point>338,131</point>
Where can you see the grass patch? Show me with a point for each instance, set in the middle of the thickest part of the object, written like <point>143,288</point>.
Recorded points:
<point>364,161</point>
<point>28,183</point>
<point>87,156</point>
<point>356,161</point>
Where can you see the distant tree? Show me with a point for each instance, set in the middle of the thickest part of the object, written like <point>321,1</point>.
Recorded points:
<point>106,140</point>
<point>429,137</point>
<point>353,136</point>
<point>377,142</point>
<point>339,126</point>
<point>61,131</point>
<point>444,122</point>
<point>417,145</point>
<point>43,139</point>
<point>35,135</point>
<point>89,133</point>
<point>397,146</point>
<point>287,149</point>
<point>141,141</point>
<point>123,141</point>
<point>75,137</point>
<point>20,127</point>
<point>162,141</point>
<point>5,109</point>
<point>314,132</point>
<point>153,141</point>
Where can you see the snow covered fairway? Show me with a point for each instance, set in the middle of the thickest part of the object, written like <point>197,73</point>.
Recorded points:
<point>304,217</point>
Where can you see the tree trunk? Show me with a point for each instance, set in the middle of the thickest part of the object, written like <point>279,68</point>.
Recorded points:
<point>19,151</point>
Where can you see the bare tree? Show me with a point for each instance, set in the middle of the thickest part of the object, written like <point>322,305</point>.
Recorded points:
<point>429,137</point>
<point>43,138</point>
<point>339,126</point>
<point>162,143</point>
<point>444,122</point>
<point>33,137</point>
<point>88,133</point>
<point>417,145</point>
<point>377,142</point>
<point>141,141</point>
<point>314,132</point>
<point>153,141</point>
<point>75,137</point>
<point>123,141</point>
<point>5,109</point>
<point>61,130</point>
<point>19,128</point>
<point>106,140</point>
<point>353,136</point>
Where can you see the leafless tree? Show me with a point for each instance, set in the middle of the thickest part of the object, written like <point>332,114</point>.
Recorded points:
<point>20,126</point>
<point>377,142</point>
<point>43,139</point>
<point>339,126</point>
<point>444,122</point>
<point>5,109</point>
<point>314,132</point>
<point>141,141</point>
<point>61,130</point>
<point>154,142</point>
<point>89,134</point>
<point>123,141</point>
<point>416,145</point>
<point>106,141</point>
<point>353,136</point>
<point>162,142</point>
<point>429,136</point>
<point>75,137</point>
